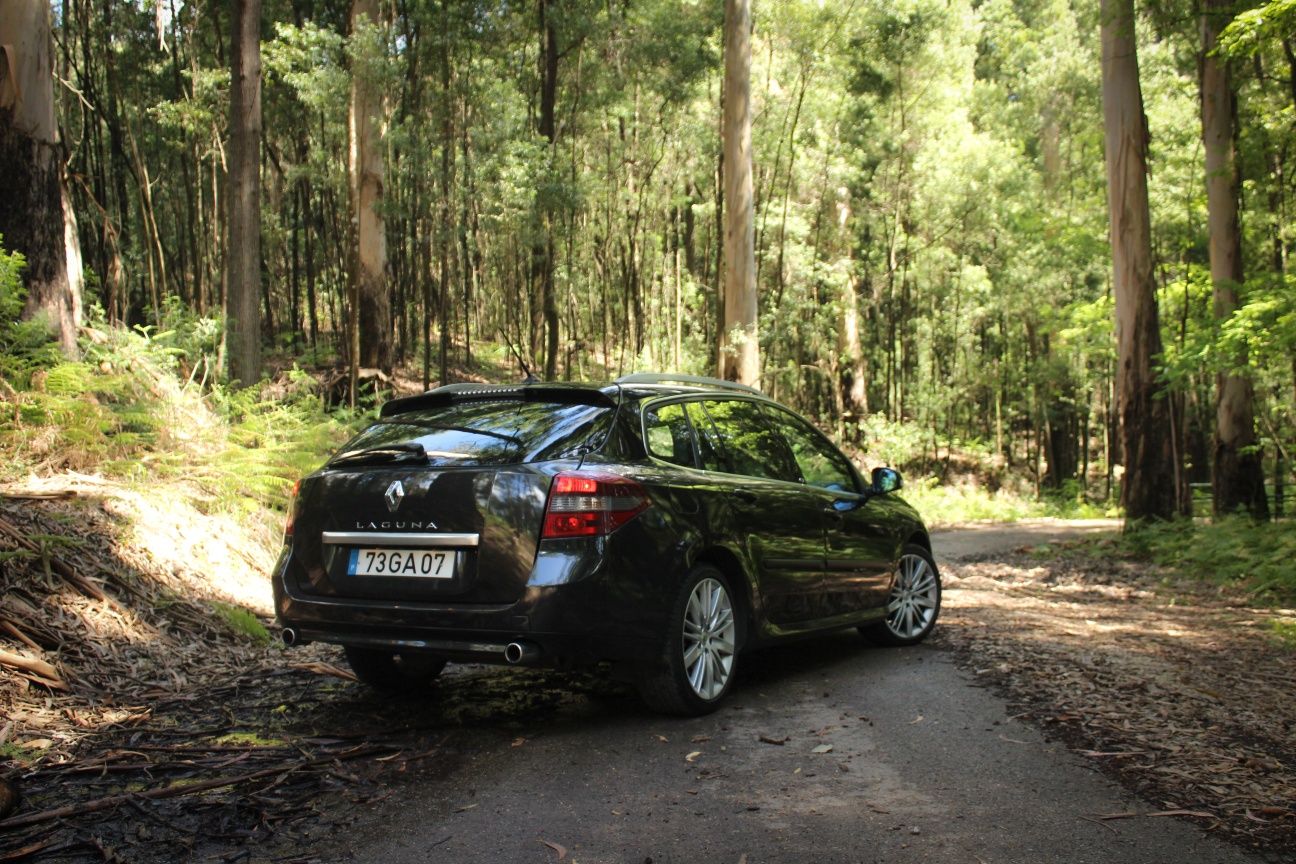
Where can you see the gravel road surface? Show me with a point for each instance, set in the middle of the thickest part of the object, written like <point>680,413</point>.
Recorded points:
<point>887,755</point>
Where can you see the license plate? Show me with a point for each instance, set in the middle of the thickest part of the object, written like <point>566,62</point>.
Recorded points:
<point>421,563</point>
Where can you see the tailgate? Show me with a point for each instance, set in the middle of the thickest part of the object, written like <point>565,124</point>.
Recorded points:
<point>463,535</point>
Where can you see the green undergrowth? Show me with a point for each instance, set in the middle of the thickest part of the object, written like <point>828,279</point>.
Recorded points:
<point>145,405</point>
<point>955,503</point>
<point>1284,632</point>
<point>242,621</point>
<point>1255,558</point>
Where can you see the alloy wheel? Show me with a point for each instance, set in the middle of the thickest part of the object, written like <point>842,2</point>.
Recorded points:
<point>915,598</point>
<point>708,639</point>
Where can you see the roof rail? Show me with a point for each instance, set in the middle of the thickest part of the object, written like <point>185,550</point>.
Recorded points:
<point>680,378</point>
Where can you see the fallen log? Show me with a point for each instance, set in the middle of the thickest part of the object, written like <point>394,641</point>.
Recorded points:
<point>36,495</point>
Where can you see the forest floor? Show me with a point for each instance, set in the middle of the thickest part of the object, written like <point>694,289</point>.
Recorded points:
<point>150,719</point>
<point>1178,688</point>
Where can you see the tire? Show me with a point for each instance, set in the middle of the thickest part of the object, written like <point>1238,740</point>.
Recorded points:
<point>394,672</point>
<point>700,651</point>
<point>914,604</point>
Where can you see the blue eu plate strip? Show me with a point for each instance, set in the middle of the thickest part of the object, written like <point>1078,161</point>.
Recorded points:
<point>354,560</point>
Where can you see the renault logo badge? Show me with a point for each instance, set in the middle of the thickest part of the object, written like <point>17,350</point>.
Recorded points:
<point>395,492</point>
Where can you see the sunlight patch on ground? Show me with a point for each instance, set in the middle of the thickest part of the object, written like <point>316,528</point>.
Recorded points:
<point>1173,686</point>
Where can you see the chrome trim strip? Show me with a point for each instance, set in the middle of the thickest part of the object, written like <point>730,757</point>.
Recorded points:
<point>377,538</point>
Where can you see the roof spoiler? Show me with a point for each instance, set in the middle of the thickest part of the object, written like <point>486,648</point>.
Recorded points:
<point>564,394</point>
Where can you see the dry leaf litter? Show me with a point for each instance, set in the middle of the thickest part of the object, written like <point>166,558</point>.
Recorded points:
<point>1176,688</point>
<point>142,723</point>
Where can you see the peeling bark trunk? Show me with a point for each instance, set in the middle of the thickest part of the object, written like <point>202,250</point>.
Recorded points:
<point>1237,476</point>
<point>853,378</point>
<point>740,350</point>
<point>36,216</point>
<point>1147,491</point>
<point>243,293</point>
<point>369,268</point>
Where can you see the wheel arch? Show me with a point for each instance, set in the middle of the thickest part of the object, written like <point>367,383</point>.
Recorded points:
<point>731,566</point>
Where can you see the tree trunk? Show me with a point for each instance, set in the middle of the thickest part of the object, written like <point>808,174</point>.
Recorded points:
<point>369,267</point>
<point>544,305</point>
<point>1237,478</point>
<point>36,216</point>
<point>853,379</point>
<point>243,293</point>
<point>740,350</point>
<point>445,237</point>
<point>1148,488</point>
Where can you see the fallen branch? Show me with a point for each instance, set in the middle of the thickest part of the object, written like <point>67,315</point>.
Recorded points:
<point>176,790</point>
<point>84,585</point>
<point>30,664</point>
<point>33,495</point>
<point>1134,814</point>
<point>12,629</point>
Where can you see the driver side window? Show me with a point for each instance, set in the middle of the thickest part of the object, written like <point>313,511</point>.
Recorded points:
<point>821,464</point>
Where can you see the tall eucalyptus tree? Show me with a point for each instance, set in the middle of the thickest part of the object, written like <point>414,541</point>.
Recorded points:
<point>36,217</point>
<point>243,292</point>
<point>1147,490</point>
<point>1237,478</point>
<point>739,358</point>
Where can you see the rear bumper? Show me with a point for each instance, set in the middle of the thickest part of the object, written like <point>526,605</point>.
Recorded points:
<point>614,611</point>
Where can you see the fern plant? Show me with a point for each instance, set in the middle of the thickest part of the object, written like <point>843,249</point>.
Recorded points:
<point>25,346</point>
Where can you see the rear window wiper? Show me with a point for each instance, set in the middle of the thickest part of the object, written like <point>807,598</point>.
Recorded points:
<point>411,452</point>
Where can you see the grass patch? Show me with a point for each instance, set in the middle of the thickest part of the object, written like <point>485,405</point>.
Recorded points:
<point>242,621</point>
<point>1285,631</point>
<point>945,504</point>
<point>1237,552</point>
<point>146,405</point>
<point>248,739</point>
<point>24,752</point>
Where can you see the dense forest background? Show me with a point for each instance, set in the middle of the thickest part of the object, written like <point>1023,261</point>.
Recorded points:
<point>457,187</point>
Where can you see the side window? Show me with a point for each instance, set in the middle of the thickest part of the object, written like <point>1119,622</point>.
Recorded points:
<point>821,464</point>
<point>752,445</point>
<point>708,440</point>
<point>667,434</point>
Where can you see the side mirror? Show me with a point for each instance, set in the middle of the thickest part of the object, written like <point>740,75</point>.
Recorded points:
<point>886,480</point>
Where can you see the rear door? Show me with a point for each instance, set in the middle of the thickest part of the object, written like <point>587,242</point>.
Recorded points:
<point>778,518</point>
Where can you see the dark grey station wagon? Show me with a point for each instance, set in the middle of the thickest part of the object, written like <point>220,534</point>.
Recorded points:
<point>661,523</point>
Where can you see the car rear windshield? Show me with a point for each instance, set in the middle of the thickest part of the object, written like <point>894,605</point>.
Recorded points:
<point>480,432</point>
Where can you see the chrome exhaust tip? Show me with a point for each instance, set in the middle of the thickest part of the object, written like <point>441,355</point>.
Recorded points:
<point>521,653</point>
<point>289,636</point>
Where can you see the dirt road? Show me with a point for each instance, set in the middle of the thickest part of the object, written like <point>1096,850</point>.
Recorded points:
<point>878,755</point>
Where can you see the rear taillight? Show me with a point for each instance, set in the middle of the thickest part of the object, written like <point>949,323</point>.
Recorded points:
<point>292,511</point>
<point>587,505</point>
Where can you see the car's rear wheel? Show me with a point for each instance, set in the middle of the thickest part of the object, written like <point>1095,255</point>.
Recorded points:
<point>914,603</point>
<point>394,671</point>
<point>700,655</point>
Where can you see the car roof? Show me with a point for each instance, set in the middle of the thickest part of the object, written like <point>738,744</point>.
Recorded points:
<point>635,386</point>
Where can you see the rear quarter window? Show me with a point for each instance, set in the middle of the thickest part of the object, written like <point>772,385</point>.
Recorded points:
<point>668,435</point>
<point>486,432</point>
